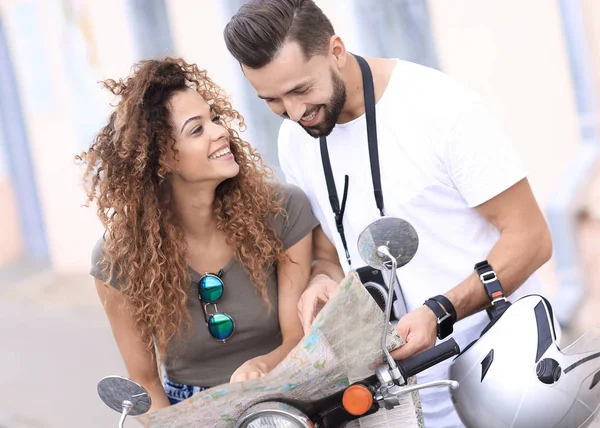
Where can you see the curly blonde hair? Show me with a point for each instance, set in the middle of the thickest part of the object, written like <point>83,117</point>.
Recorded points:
<point>128,175</point>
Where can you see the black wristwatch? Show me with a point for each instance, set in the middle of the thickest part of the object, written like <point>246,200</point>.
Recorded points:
<point>445,321</point>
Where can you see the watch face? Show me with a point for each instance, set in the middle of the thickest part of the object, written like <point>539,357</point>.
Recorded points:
<point>445,328</point>
<point>445,325</point>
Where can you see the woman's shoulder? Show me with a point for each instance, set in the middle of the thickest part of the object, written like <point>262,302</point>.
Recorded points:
<point>99,267</point>
<point>98,251</point>
<point>298,218</point>
<point>291,194</point>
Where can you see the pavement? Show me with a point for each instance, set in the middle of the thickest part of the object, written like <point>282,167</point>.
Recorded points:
<point>56,344</point>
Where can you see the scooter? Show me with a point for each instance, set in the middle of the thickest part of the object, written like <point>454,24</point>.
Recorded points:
<point>386,244</point>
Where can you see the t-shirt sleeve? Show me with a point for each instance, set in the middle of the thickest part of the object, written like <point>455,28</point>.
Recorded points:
<point>283,150</point>
<point>480,159</point>
<point>97,269</point>
<point>298,220</point>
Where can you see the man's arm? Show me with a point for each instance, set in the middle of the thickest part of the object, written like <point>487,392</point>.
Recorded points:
<point>325,257</point>
<point>524,245</point>
<point>326,274</point>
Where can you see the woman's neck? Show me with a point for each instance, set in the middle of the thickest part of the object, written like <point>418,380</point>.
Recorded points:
<point>194,203</point>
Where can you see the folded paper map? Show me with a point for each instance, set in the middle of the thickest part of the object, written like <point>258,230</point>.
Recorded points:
<point>342,346</point>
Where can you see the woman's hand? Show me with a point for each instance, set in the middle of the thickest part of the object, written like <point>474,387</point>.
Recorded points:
<point>251,369</point>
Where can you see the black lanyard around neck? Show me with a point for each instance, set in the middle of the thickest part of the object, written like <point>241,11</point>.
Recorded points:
<point>369,99</point>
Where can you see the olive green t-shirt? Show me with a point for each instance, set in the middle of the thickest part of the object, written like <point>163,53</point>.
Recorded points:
<point>198,359</point>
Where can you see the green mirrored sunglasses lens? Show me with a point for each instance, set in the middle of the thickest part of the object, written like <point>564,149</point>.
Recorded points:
<point>220,326</point>
<point>210,288</point>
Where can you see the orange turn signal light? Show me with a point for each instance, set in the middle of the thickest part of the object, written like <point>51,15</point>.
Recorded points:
<point>357,400</point>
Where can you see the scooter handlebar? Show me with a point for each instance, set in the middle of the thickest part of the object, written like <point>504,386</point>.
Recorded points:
<point>423,360</point>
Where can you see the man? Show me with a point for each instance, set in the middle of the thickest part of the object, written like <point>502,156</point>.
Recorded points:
<point>444,163</point>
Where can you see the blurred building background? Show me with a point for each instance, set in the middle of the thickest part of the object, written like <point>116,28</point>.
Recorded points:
<point>536,62</point>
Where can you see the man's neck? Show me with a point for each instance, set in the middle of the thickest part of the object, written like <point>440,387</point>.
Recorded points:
<point>381,68</point>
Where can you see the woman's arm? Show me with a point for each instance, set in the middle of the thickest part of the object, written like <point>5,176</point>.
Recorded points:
<point>293,275</point>
<point>139,361</point>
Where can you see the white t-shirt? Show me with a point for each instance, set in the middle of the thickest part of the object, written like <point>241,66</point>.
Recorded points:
<point>441,153</point>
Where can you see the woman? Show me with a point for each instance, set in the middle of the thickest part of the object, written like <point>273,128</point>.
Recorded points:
<point>206,257</point>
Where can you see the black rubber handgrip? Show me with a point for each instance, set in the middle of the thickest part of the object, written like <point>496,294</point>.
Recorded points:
<point>422,361</point>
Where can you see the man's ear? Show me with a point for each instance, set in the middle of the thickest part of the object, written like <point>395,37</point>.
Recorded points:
<point>338,50</point>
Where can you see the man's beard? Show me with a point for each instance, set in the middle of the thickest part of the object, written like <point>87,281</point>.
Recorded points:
<point>331,111</point>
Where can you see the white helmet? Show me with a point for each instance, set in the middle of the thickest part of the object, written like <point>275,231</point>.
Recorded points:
<point>515,376</point>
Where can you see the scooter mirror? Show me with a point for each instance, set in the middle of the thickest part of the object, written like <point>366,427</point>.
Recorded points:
<point>118,392</point>
<point>397,235</point>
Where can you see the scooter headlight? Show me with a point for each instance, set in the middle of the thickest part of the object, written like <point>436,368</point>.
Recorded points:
<point>272,414</point>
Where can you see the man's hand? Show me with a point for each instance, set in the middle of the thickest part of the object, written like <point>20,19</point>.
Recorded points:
<point>319,291</point>
<point>419,329</point>
<point>251,369</point>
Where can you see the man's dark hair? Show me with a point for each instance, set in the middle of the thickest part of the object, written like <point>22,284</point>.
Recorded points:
<point>259,30</point>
